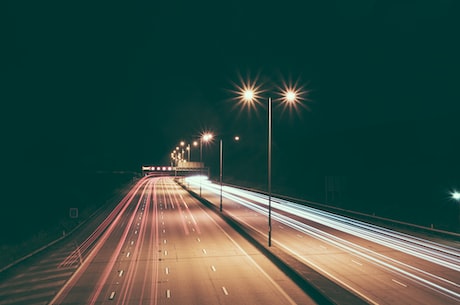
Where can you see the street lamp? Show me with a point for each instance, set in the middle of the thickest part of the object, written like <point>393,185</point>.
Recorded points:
<point>291,97</point>
<point>205,137</point>
<point>182,144</point>
<point>187,148</point>
<point>221,154</point>
<point>195,143</point>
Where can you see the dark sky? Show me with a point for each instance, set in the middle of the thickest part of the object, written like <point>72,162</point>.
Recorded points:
<point>114,85</point>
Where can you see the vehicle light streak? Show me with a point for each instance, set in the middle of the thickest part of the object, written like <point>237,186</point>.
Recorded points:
<point>369,255</point>
<point>75,256</point>
<point>114,218</point>
<point>110,264</point>
<point>441,255</point>
<point>184,224</point>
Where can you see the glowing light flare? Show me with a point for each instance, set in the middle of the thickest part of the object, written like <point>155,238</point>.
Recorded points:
<point>456,195</point>
<point>292,96</point>
<point>207,137</point>
<point>247,94</point>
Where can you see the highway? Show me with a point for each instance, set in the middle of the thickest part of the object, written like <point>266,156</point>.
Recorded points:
<point>158,245</point>
<point>379,265</point>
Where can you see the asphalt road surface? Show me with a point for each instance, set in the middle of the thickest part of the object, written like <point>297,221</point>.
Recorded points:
<point>157,246</point>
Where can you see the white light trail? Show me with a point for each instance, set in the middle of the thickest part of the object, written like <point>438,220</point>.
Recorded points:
<point>436,253</point>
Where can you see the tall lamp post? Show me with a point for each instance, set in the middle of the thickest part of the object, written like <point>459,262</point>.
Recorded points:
<point>456,196</point>
<point>290,96</point>
<point>205,137</point>
<point>221,154</point>
<point>220,172</point>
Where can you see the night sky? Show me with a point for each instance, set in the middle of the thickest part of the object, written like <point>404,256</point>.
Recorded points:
<point>109,85</point>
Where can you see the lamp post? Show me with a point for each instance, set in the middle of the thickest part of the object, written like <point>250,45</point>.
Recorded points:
<point>220,172</point>
<point>221,154</point>
<point>182,144</point>
<point>188,151</point>
<point>249,93</point>
<point>456,196</point>
<point>206,137</point>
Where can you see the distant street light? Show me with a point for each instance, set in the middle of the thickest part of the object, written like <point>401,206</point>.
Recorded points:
<point>187,148</point>
<point>291,96</point>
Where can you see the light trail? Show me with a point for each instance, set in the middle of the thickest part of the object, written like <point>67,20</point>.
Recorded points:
<point>299,215</point>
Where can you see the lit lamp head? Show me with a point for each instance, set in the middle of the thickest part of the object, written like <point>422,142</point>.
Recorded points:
<point>207,137</point>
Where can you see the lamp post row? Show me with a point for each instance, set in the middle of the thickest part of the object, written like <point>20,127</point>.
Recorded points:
<point>248,94</point>
<point>290,96</point>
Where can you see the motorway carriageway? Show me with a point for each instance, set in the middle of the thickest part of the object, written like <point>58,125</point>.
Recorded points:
<point>162,246</point>
<point>380,265</point>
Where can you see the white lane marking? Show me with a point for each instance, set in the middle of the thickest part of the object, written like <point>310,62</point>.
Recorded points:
<point>398,282</point>
<point>302,258</point>
<point>168,293</point>
<point>224,290</point>
<point>204,251</point>
<point>140,217</point>
<point>166,252</point>
<point>137,224</point>
<point>127,255</point>
<point>135,232</point>
<point>120,273</point>
<point>112,295</point>
<point>193,229</point>
<point>132,242</point>
<point>298,235</point>
<point>286,296</point>
<point>167,270</point>
<point>198,239</point>
<point>357,263</point>
<point>164,241</point>
<point>213,268</point>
